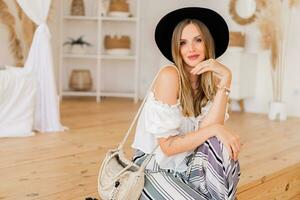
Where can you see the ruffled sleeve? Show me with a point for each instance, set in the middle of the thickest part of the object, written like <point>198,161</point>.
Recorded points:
<point>162,120</point>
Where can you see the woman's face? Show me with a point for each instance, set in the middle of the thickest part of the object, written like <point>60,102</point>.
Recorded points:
<point>192,48</point>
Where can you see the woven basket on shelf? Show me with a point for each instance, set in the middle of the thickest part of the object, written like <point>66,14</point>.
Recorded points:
<point>115,42</point>
<point>80,80</point>
<point>236,39</point>
<point>119,6</point>
<point>77,8</point>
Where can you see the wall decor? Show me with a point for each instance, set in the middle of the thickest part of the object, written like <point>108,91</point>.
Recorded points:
<point>242,15</point>
<point>236,39</point>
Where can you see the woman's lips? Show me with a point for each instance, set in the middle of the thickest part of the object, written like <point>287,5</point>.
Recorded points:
<point>193,57</point>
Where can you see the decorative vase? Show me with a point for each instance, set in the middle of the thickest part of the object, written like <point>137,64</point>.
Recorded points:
<point>77,8</point>
<point>80,80</point>
<point>118,8</point>
<point>277,111</point>
<point>117,45</point>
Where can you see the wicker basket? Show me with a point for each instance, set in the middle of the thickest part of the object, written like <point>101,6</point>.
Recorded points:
<point>237,39</point>
<point>77,8</point>
<point>115,42</point>
<point>80,80</point>
<point>119,6</point>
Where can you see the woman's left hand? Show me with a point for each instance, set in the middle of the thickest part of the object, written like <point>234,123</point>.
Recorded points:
<point>222,72</point>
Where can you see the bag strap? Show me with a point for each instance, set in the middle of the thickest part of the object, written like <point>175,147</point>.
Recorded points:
<point>121,145</point>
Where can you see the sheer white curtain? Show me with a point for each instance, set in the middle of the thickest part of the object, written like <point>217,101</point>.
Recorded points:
<point>40,64</point>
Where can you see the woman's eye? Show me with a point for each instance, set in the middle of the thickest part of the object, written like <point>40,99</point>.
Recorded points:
<point>199,40</point>
<point>182,43</point>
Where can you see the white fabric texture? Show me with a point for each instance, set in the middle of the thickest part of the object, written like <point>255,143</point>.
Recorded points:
<point>28,96</point>
<point>40,63</point>
<point>158,120</point>
<point>17,100</point>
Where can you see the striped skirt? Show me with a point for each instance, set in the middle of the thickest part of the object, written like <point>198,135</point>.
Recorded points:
<point>211,174</point>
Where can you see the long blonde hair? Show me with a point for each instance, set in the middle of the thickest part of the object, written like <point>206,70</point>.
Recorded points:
<point>192,104</point>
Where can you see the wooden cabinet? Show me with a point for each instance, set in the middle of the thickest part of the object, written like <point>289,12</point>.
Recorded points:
<point>243,67</point>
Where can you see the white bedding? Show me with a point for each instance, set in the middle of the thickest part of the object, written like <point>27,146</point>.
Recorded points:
<point>17,102</point>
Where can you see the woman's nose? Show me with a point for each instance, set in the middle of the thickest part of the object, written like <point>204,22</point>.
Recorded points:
<point>191,47</point>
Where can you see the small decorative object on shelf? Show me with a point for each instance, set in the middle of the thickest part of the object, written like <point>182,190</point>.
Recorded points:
<point>80,80</point>
<point>118,8</point>
<point>237,39</point>
<point>104,7</point>
<point>117,45</point>
<point>77,46</point>
<point>77,8</point>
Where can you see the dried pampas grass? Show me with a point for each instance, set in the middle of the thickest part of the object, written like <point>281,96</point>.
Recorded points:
<point>270,27</point>
<point>273,22</point>
<point>8,19</point>
<point>27,29</point>
<point>293,3</point>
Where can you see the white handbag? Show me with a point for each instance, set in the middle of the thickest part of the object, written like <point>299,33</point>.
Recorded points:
<point>119,178</point>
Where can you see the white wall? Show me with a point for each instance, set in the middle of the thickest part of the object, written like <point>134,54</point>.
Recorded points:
<point>151,59</point>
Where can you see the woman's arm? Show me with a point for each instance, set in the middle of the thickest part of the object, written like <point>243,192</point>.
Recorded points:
<point>187,142</point>
<point>217,111</point>
<point>166,90</point>
<point>216,114</point>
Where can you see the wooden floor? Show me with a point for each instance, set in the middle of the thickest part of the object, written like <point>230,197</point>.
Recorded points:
<point>65,165</point>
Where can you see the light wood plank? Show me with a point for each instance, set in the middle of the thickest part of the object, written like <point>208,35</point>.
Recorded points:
<point>65,165</point>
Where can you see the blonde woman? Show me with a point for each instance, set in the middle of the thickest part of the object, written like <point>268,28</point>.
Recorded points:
<point>184,114</point>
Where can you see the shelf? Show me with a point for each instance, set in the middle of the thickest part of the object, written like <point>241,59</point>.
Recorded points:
<point>118,57</point>
<point>103,63</point>
<point>78,93</point>
<point>81,18</point>
<point>117,94</point>
<point>95,18</point>
<point>128,19</point>
<point>83,56</point>
<point>94,56</point>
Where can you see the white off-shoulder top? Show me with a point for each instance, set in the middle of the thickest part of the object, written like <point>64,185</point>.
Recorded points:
<point>158,119</point>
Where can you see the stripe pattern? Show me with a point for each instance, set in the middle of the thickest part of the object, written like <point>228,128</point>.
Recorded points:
<point>211,174</point>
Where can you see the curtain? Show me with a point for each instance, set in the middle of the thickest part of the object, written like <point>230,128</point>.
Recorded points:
<point>40,63</point>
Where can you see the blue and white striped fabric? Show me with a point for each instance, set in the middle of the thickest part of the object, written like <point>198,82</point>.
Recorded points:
<point>211,174</point>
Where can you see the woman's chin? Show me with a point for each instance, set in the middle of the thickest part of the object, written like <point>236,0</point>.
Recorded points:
<point>193,63</point>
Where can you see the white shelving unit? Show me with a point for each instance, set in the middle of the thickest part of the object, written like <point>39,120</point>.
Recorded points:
<point>112,75</point>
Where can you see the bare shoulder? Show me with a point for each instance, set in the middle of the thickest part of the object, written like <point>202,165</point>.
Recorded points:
<point>167,85</point>
<point>169,73</point>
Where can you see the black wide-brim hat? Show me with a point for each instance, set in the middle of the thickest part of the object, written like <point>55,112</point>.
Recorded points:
<point>214,22</point>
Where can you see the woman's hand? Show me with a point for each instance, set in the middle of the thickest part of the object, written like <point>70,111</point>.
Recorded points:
<point>221,71</point>
<point>230,139</point>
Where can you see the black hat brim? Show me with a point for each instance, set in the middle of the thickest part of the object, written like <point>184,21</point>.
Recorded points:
<point>214,22</point>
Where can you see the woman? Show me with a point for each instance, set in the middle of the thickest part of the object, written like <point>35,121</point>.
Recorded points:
<point>185,111</point>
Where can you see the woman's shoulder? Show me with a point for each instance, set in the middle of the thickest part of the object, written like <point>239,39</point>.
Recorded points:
<point>169,74</point>
<point>166,86</point>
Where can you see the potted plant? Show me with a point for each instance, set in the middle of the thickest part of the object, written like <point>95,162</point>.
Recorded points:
<point>77,46</point>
